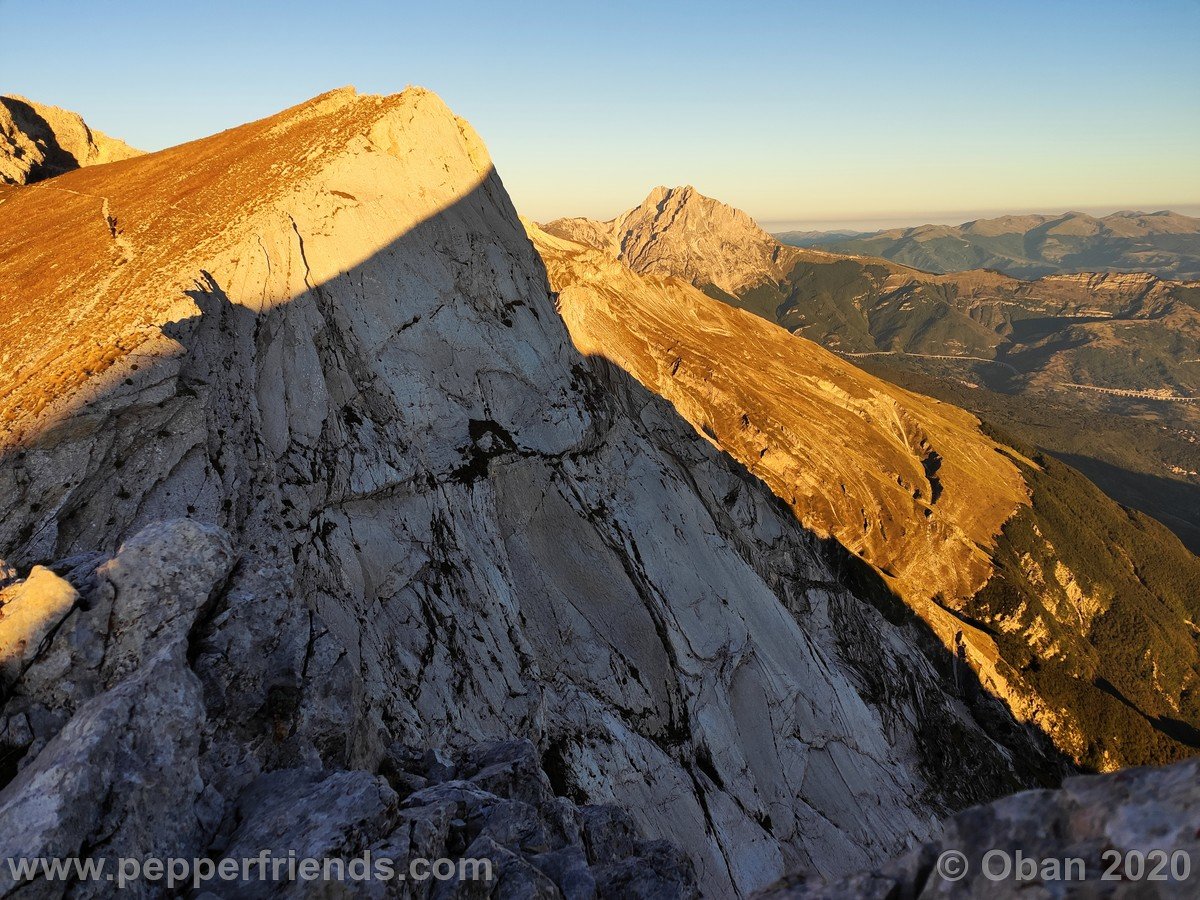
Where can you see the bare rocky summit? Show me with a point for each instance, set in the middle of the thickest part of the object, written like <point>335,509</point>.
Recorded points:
<point>680,232</point>
<point>414,515</point>
<point>39,141</point>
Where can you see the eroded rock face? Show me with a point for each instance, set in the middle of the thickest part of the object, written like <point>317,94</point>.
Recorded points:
<point>142,768</point>
<point>39,142</point>
<point>120,779</point>
<point>680,232</point>
<point>77,643</point>
<point>326,334</point>
<point>912,486</point>
<point>984,542</point>
<point>1128,825</point>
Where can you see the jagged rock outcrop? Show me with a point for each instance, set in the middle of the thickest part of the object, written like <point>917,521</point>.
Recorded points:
<point>1082,629</point>
<point>327,334</point>
<point>680,232</point>
<point>60,648</point>
<point>39,142</point>
<point>122,750</point>
<point>1130,834</point>
<point>489,802</point>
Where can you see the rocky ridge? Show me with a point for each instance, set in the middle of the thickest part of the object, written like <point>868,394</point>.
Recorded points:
<point>417,517</point>
<point>39,142</point>
<point>974,535</point>
<point>1100,368</point>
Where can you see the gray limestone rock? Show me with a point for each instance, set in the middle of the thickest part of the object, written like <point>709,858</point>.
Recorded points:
<point>39,141</point>
<point>119,780</point>
<point>149,596</point>
<point>1134,833</point>
<point>449,528</point>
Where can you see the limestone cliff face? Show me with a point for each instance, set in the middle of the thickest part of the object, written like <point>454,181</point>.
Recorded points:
<point>39,141</point>
<point>1031,600</point>
<point>415,516</point>
<point>680,232</point>
<point>910,485</point>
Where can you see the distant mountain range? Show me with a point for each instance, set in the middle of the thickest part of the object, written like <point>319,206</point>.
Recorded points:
<point>1163,243</point>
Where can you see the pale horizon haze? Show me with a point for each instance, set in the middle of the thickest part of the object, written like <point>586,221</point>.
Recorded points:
<point>806,115</point>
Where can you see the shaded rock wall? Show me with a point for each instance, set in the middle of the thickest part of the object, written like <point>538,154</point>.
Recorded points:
<point>327,334</point>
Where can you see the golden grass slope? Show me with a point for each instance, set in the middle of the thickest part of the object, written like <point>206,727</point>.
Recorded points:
<point>910,484</point>
<point>117,246</point>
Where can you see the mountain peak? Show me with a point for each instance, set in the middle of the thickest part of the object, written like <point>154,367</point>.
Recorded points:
<point>679,232</point>
<point>39,141</point>
<point>679,194</point>
<point>684,196</point>
<point>251,190</point>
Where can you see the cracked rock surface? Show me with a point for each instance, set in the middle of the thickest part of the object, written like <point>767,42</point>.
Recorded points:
<point>1085,630</point>
<point>1128,829</point>
<point>298,465</point>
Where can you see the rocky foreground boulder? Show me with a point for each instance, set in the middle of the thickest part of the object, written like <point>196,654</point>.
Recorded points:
<point>125,746</point>
<point>1135,833</point>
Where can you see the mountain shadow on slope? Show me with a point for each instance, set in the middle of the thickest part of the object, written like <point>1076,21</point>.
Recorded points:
<point>409,598</point>
<point>1121,347</point>
<point>1057,604</point>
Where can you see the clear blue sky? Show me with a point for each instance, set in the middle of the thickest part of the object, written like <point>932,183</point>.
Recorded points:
<point>804,112</point>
